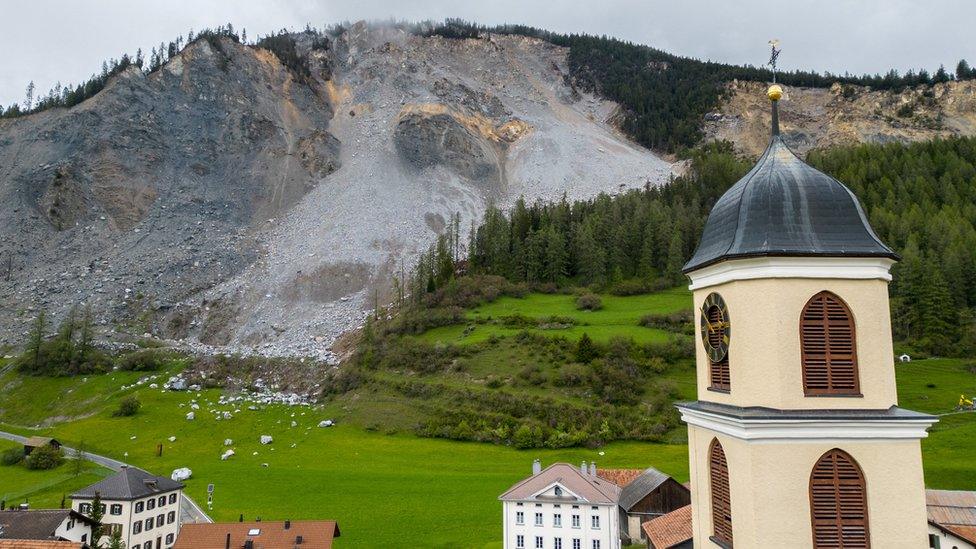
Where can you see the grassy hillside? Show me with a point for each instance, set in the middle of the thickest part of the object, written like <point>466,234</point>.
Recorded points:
<point>44,489</point>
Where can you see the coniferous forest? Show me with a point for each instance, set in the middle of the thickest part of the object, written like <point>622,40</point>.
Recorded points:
<point>920,199</point>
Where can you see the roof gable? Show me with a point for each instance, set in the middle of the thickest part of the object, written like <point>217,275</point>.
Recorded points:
<point>648,481</point>
<point>38,524</point>
<point>589,489</point>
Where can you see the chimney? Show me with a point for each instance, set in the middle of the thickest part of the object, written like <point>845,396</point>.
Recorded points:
<point>583,468</point>
<point>592,468</point>
<point>287,524</point>
<point>227,544</point>
<point>536,467</point>
<point>249,544</point>
<point>298,540</point>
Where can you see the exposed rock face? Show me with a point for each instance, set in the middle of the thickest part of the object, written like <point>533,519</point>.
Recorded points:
<point>224,201</point>
<point>817,118</point>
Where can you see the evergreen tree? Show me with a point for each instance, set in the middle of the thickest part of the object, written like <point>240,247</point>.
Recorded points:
<point>96,514</point>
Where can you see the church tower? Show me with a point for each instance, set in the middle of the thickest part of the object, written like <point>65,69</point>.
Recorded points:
<point>796,439</point>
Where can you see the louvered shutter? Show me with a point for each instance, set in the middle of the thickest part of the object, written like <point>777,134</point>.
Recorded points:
<point>719,371</point>
<point>721,497</point>
<point>828,347</point>
<point>838,503</point>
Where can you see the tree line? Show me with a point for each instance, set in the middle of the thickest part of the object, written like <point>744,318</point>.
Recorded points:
<point>920,199</point>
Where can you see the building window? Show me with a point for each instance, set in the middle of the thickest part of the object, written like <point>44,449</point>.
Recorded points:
<point>172,498</point>
<point>557,520</point>
<point>169,538</point>
<point>85,508</point>
<point>538,519</point>
<point>140,506</point>
<point>557,543</point>
<point>519,517</point>
<point>721,499</point>
<point>596,544</point>
<point>595,521</point>
<point>828,347</point>
<point>116,509</point>
<point>520,541</point>
<point>137,527</point>
<point>149,524</point>
<point>577,544</point>
<point>838,502</point>
<point>171,517</point>
<point>576,521</point>
<point>162,501</point>
<point>160,519</point>
<point>150,504</point>
<point>538,542</point>
<point>71,524</point>
<point>558,491</point>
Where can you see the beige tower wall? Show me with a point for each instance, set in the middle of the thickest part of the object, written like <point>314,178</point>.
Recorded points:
<point>764,348</point>
<point>769,483</point>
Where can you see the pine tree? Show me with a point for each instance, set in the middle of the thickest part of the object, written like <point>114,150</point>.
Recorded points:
<point>96,514</point>
<point>29,97</point>
<point>963,72</point>
<point>35,342</point>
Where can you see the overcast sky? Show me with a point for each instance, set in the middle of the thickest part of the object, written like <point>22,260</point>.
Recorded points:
<point>66,40</point>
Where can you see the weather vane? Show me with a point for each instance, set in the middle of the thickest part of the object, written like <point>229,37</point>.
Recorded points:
<point>773,55</point>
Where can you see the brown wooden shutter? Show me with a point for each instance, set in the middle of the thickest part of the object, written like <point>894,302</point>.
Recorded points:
<point>838,503</point>
<point>718,371</point>
<point>721,496</point>
<point>828,347</point>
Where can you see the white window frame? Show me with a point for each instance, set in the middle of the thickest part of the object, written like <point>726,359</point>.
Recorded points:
<point>557,520</point>
<point>519,518</point>
<point>538,519</point>
<point>595,522</point>
<point>520,542</point>
<point>539,542</point>
<point>576,521</point>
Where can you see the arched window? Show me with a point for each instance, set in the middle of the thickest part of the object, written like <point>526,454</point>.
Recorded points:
<point>828,347</point>
<point>838,503</point>
<point>721,499</point>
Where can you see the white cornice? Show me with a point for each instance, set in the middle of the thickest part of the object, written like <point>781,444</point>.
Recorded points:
<point>809,430</point>
<point>792,267</point>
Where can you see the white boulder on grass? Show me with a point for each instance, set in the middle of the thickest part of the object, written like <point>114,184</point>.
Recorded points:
<point>226,455</point>
<point>228,442</point>
<point>326,423</point>
<point>266,439</point>
<point>181,474</point>
<point>227,415</point>
<point>172,439</point>
<point>190,416</point>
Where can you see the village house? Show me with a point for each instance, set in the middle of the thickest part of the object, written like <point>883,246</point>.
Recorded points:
<point>45,525</point>
<point>303,534</point>
<point>142,507</point>
<point>561,507</point>
<point>670,531</point>
<point>952,519</point>
<point>650,495</point>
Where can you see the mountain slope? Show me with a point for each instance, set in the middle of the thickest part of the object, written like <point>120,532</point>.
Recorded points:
<point>227,200</point>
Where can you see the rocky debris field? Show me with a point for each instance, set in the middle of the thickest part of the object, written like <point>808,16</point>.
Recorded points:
<point>224,204</point>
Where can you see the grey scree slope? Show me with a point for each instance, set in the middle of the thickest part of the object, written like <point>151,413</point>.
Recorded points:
<point>784,207</point>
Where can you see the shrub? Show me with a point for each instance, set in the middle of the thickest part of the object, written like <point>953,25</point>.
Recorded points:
<point>586,350</point>
<point>129,406</point>
<point>147,360</point>
<point>13,456</point>
<point>589,302</point>
<point>44,457</point>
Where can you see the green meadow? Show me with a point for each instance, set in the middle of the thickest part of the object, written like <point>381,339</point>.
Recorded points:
<point>386,485</point>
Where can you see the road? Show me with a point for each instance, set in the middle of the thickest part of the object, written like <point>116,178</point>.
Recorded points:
<point>190,512</point>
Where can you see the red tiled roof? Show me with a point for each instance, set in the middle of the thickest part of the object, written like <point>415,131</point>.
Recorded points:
<point>669,530</point>
<point>620,477</point>
<point>38,544</point>
<point>316,534</point>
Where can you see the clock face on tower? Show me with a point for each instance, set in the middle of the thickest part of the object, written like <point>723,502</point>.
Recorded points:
<point>715,327</point>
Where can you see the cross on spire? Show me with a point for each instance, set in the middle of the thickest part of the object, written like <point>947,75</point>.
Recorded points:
<point>773,55</point>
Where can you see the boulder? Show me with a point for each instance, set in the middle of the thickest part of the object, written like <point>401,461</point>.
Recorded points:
<point>326,423</point>
<point>226,454</point>
<point>190,416</point>
<point>181,474</point>
<point>172,439</point>
<point>266,439</point>
<point>228,442</point>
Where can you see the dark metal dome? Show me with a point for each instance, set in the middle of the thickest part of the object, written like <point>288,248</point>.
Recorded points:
<point>785,207</point>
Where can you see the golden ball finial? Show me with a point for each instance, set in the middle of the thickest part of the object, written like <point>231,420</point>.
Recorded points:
<point>775,93</point>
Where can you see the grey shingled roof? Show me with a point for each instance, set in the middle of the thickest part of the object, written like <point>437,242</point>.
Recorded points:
<point>39,524</point>
<point>785,207</point>
<point>128,483</point>
<point>638,488</point>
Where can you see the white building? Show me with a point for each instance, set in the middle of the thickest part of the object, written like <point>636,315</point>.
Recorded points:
<point>45,524</point>
<point>143,507</point>
<point>561,507</point>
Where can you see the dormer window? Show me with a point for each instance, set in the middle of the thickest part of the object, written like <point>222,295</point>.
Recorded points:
<point>558,491</point>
